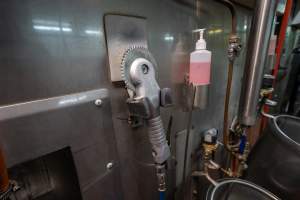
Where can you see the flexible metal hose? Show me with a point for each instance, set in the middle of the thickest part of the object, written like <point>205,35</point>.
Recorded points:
<point>157,137</point>
<point>156,131</point>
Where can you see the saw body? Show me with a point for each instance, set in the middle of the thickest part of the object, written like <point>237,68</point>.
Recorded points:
<point>145,98</point>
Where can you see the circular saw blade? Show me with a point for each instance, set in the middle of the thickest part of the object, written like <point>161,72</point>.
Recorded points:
<point>129,57</point>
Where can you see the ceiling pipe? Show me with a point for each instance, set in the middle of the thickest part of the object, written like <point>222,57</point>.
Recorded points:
<point>258,44</point>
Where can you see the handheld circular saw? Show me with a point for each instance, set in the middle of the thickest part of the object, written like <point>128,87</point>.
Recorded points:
<point>138,72</point>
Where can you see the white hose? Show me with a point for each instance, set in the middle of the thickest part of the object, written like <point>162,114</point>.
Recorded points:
<point>220,184</point>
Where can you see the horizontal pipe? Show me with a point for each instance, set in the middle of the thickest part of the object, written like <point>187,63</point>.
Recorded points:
<point>258,44</point>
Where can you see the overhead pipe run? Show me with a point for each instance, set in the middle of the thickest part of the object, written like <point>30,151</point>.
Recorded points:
<point>258,44</point>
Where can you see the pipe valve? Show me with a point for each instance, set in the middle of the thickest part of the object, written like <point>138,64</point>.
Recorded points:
<point>234,47</point>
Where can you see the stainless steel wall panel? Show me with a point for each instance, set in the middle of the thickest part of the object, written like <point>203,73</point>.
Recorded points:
<point>44,105</point>
<point>86,128</point>
<point>51,48</point>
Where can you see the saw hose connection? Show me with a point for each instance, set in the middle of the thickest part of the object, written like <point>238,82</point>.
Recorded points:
<point>138,72</point>
<point>157,137</point>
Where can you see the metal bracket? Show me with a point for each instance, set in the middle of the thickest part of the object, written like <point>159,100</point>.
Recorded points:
<point>122,32</point>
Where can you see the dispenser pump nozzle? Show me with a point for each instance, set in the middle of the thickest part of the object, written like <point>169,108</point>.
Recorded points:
<point>201,43</point>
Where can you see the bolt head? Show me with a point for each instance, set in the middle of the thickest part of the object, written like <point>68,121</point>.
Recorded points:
<point>109,165</point>
<point>145,69</point>
<point>98,102</point>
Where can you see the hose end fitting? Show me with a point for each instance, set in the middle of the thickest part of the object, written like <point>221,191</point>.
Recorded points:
<point>161,176</point>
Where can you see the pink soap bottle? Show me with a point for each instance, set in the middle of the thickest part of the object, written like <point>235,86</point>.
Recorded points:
<point>200,62</point>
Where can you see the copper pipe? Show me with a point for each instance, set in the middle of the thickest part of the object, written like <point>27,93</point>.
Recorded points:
<point>232,9</point>
<point>4,180</point>
<point>226,104</point>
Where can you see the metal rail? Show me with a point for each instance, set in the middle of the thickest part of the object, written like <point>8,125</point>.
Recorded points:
<point>43,105</point>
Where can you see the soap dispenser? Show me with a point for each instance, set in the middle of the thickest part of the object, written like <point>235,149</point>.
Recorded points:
<point>200,69</point>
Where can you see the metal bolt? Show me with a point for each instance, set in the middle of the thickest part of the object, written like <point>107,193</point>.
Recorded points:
<point>98,102</point>
<point>145,69</point>
<point>109,165</point>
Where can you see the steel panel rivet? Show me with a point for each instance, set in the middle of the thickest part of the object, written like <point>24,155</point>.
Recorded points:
<point>98,102</point>
<point>109,165</point>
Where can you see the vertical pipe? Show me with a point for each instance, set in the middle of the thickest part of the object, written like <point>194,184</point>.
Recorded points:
<point>282,33</point>
<point>227,100</point>
<point>258,44</point>
<point>279,47</point>
<point>4,181</point>
<point>232,9</point>
<point>233,33</point>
